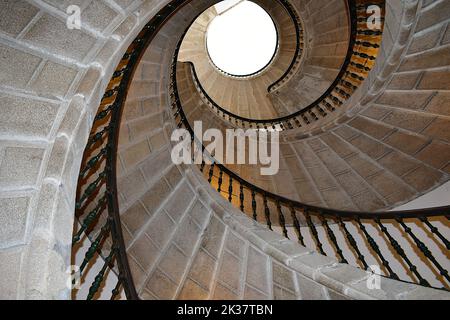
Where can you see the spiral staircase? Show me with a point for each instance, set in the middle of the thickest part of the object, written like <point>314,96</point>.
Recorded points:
<point>86,177</point>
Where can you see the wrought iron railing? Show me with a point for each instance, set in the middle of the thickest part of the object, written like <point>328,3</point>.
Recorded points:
<point>341,228</point>
<point>363,47</point>
<point>300,42</point>
<point>97,208</point>
<point>98,212</point>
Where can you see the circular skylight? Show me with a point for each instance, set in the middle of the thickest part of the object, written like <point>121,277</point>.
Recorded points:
<point>242,40</point>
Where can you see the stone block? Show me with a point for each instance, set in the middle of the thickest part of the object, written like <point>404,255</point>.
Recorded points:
<point>213,236</point>
<point>154,166</point>
<point>436,154</point>
<point>131,185</point>
<point>435,80</point>
<point>160,229</point>
<point>52,35</point>
<point>161,286</point>
<point>54,80</point>
<point>202,269</point>
<point>145,252</point>
<point>235,245</point>
<point>258,270</point>
<point>439,129</point>
<point>363,166</point>
<point>423,178</point>
<point>404,81</point>
<point>17,66</point>
<point>155,196</point>
<point>283,277</point>
<point>439,104</point>
<point>386,185</point>
<point>13,218</point>
<point>437,57</point>
<point>180,201</point>
<point>135,217</point>
<point>404,99</point>
<point>371,147</point>
<point>135,154</point>
<point>280,293</point>
<point>230,271</point>
<point>398,163</point>
<point>174,263</point>
<point>187,235</point>
<point>98,15</point>
<point>253,294</point>
<point>10,268</point>
<point>200,214</point>
<point>15,16</point>
<point>173,176</point>
<point>192,291</point>
<point>433,15</point>
<point>26,117</point>
<point>406,142</point>
<point>311,290</point>
<point>223,293</point>
<point>20,167</point>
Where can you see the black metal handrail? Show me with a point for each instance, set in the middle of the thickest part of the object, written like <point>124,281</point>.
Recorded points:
<point>97,206</point>
<point>218,175</point>
<point>298,46</point>
<point>362,51</point>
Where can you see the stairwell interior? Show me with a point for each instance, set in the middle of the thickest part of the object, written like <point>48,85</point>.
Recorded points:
<point>86,176</point>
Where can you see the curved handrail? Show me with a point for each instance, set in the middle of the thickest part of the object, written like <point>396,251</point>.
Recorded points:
<point>298,50</point>
<point>97,184</point>
<point>351,74</point>
<point>325,215</point>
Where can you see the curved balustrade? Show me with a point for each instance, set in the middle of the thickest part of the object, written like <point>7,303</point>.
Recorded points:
<point>97,208</point>
<point>299,35</point>
<point>361,54</point>
<point>272,209</point>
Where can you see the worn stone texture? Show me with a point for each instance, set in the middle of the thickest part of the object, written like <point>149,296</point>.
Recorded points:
<point>50,87</point>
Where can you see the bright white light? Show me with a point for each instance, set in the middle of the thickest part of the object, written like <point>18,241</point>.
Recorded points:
<point>242,40</point>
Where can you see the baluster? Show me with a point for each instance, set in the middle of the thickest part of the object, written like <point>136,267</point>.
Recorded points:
<point>375,248</point>
<point>241,196</point>
<point>230,189</point>
<point>313,229</point>
<point>211,172</point>
<point>424,249</point>
<point>116,290</point>
<point>282,220</point>
<point>267,212</point>
<point>353,243</point>
<point>95,245</point>
<point>333,239</point>
<point>297,226</point>
<point>90,189</point>
<point>93,161</point>
<point>401,253</point>
<point>100,276</point>
<point>202,166</point>
<point>435,230</point>
<point>97,137</point>
<point>90,218</point>
<point>220,180</point>
<point>255,216</point>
